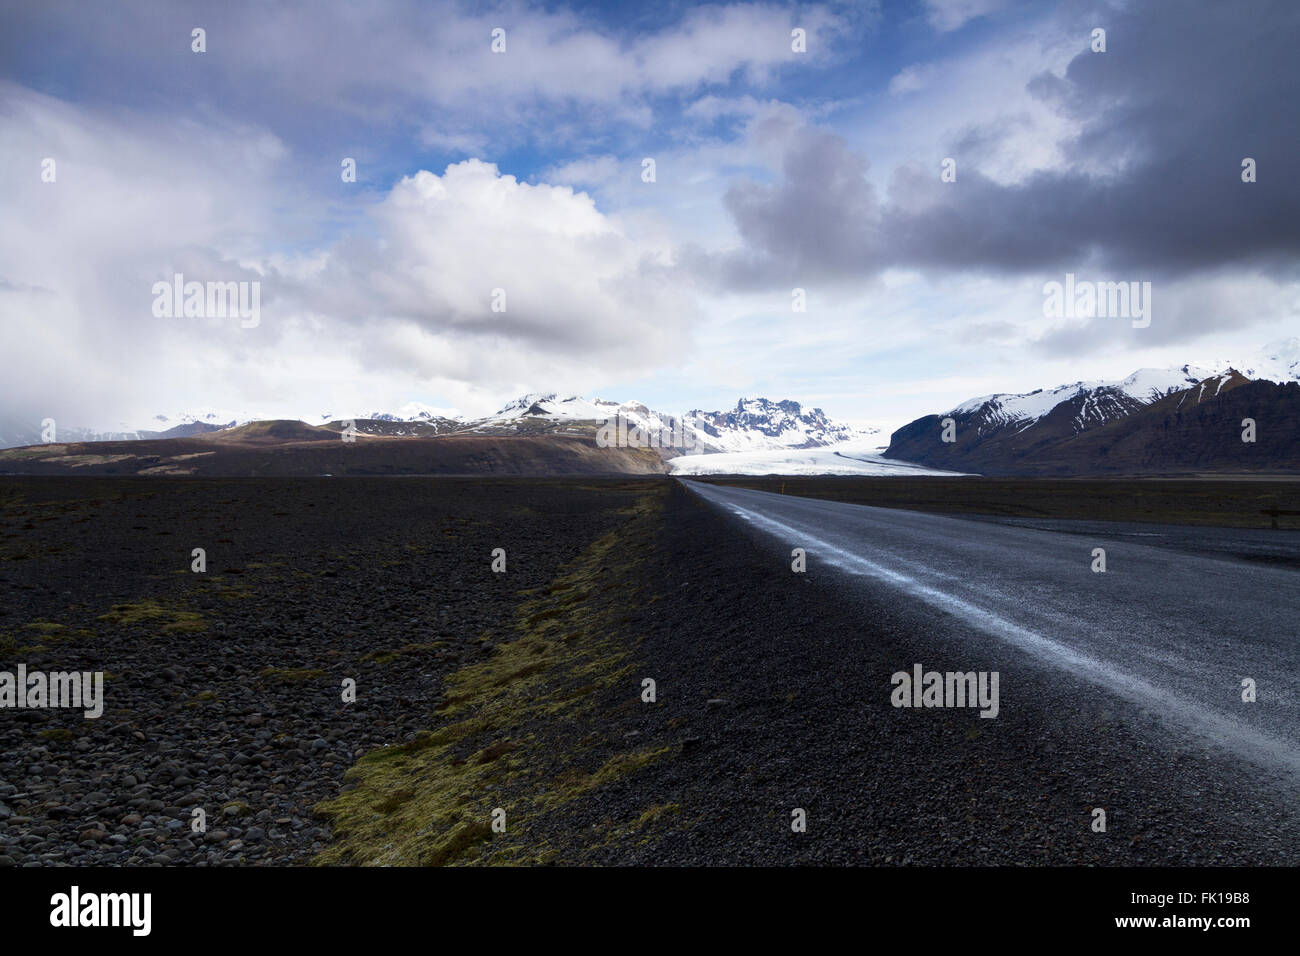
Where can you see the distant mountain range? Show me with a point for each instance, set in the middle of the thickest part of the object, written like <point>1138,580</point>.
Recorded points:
<point>1156,421</point>
<point>17,434</point>
<point>753,425</point>
<point>536,434</point>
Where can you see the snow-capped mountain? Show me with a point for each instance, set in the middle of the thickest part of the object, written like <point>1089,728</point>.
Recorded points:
<point>1276,362</point>
<point>1089,403</point>
<point>1153,421</point>
<point>412,420</point>
<point>1280,362</point>
<point>756,424</point>
<point>1093,403</point>
<point>16,433</point>
<point>753,425</point>
<point>410,412</point>
<point>557,407</point>
<point>1193,430</point>
<point>189,423</point>
<point>573,415</point>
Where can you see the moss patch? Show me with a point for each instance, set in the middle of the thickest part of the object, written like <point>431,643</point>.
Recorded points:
<point>50,632</point>
<point>514,736</point>
<point>167,619</point>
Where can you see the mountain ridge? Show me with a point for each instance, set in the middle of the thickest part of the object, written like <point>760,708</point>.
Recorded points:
<point>754,424</point>
<point>1106,430</point>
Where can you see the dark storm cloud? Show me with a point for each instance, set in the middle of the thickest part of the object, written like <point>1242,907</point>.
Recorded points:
<point>821,220</point>
<point>1151,184</point>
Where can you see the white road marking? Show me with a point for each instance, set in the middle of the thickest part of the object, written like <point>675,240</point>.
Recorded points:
<point>1220,728</point>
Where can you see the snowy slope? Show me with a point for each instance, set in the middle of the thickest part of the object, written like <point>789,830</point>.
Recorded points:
<point>1144,386</point>
<point>1276,362</point>
<point>553,405</point>
<point>410,412</point>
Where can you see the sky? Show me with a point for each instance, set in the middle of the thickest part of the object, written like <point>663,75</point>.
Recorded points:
<point>501,235</point>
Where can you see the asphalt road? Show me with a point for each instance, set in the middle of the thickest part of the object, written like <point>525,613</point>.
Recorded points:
<point>1172,627</point>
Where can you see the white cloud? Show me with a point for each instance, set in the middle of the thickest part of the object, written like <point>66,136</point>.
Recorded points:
<point>588,171</point>
<point>132,203</point>
<point>573,281</point>
<point>468,143</point>
<point>710,107</point>
<point>910,79</point>
<point>949,15</point>
<point>397,307</point>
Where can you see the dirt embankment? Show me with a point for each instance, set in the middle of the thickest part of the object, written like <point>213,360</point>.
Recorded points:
<point>305,451</point>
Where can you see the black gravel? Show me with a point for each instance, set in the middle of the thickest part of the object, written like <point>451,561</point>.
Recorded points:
<point>304,577</point>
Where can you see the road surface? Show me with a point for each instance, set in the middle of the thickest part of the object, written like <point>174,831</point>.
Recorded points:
<point>1169,629</point>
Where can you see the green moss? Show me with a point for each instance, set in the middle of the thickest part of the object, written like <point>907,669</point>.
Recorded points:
<point>466,835</point>
<point>58,735</point>
<point>655,812</point>
<point>52,633</point>
<point>169,619</point>
<point>416,805</point>
<point>430,801</point>
<point>635,831</point>
<point>623,764</point>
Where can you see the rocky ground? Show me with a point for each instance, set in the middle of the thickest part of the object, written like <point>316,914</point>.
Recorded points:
<point>224,688</point>
<point>523,694</point>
